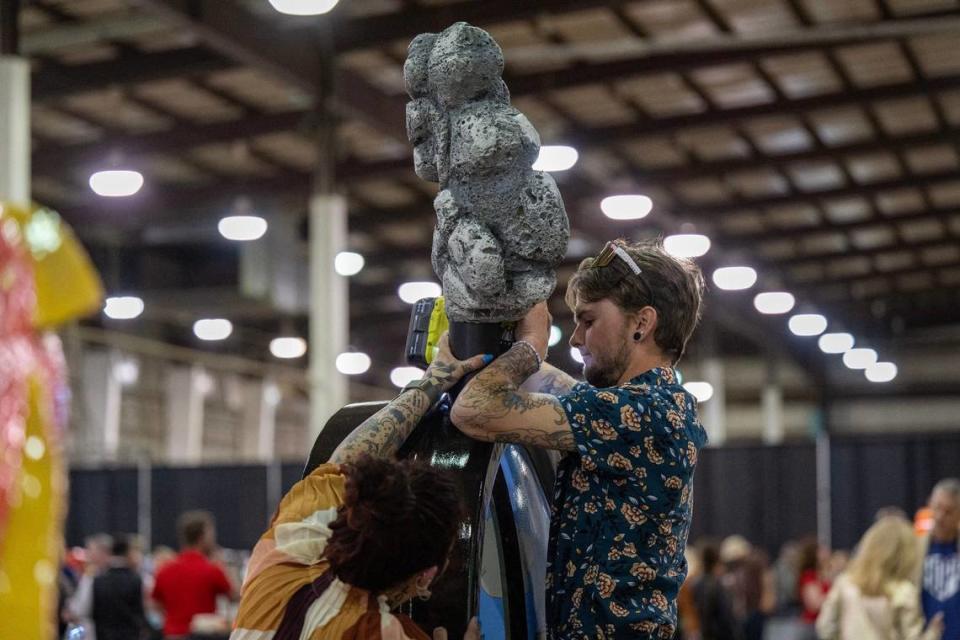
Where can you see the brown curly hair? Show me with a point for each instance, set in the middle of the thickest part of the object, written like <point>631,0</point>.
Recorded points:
<point>398,518</point>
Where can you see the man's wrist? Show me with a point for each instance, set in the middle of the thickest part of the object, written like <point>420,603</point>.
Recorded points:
<point>427,385</point>
<point>530,354</point>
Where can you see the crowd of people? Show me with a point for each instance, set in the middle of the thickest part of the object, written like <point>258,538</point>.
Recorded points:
<point>111,590</point>
<point>900,582</point>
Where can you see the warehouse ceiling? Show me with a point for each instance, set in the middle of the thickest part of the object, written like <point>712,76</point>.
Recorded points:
<point>814,140</point>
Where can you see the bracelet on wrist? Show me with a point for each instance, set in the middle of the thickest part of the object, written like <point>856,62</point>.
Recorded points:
<point>533,349</point>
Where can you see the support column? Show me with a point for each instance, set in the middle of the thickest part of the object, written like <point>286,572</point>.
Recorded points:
<point>329,311</point>
<point>101,397</point>
<point>772,402</point>
<point>714,413</point>
<point>14,111</point>
<point>185,399</point>
<point>259,420</point>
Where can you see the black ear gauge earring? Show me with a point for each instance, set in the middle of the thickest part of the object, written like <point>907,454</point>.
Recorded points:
<point>638,336</point>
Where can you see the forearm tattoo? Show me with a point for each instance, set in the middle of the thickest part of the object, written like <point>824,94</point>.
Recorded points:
<point>382,434</point>
<point>556,383</point>
<point>495,393</point>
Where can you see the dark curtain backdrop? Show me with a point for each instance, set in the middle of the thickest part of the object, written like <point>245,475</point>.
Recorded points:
<point>765,493</point>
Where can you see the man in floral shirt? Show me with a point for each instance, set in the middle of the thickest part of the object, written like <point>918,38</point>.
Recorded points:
<point>623,499</point>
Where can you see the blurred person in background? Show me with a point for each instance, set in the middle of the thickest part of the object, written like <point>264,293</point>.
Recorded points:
<point>688,618</point>
<point>875,598</point>
<point>812,585</point>
<point>840,558</point>
<point>96,559</point>
<point>713,600</point>
<point>940,581</point>
<point>188,585</point>
<point>750,584</point>
<point>786,577</point>
<point>113,599</point>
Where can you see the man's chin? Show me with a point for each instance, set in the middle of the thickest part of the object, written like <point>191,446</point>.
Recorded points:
<point>598,377</point>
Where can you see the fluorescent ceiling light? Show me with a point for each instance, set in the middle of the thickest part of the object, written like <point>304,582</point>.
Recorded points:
<point>353,363</point>
<point>626,207</point>
<point>686,245</point>
<point>881,372</point>
<point>734,278</point>
<point>402,376</point>
<point>411,292</point>
<point>774,302</point>
<point>288,347</point>
<point>702,391</point>
<point>835,342</point>
<point>123,307</point>
<point>555,158</point>
<point>807,324</point>
<point>304,7</point>
<point>213,329</point>
<point>575,354</point>
<point>242,228</point>
<point>859,358</point>
<point>116,183</point>
<point>348,263</point>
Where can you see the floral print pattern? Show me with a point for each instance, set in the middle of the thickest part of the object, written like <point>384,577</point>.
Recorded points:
<point>622,509</point>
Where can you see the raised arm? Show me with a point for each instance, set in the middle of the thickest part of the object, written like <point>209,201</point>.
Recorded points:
<point>383,433</point>
<point>492,406</point>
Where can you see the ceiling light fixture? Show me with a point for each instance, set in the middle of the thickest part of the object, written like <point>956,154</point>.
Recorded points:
<point>734,278</point>
<point>686,245</point>
<point>242,228</point>
<point>304,7</point>
<point>556,158</point>
<point>213,329</point>
<point>774,302</point>
<point>807,324</point>
<point>411,292</point>
<point>626,207</point>
<point>116,183</point>
<point>123,307</point>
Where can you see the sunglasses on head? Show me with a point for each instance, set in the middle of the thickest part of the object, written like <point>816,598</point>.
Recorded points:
<point>613,250</point>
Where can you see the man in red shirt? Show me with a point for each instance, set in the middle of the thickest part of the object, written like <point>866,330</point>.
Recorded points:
<point>190,584</point>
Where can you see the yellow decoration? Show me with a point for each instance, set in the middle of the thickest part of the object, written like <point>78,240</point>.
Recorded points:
<point>67,285</point>
<point>30,554</point>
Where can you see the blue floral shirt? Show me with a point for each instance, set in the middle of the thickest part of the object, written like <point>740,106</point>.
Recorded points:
<point>622,508</point>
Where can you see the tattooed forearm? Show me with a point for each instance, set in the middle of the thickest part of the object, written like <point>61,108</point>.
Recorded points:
<point>492,407</point>
<point>549,380</point>
<point>383,433</point>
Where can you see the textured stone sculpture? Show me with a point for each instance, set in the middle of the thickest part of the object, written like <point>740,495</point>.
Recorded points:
<point>501,226</point>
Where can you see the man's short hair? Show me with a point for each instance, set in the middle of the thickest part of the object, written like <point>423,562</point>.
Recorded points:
<point>121,545</point>
<point>950,486</point>
<point>673,286</point>
<point>191,526</point>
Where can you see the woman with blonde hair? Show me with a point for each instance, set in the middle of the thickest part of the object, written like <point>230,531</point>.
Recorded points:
<point>876,599</point>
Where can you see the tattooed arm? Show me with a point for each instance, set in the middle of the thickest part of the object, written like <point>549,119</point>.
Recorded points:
<point>549,380</point>
<point>383,433</point>
<point>493,407</point>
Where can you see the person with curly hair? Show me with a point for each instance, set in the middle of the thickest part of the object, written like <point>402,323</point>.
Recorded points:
<point>359,536</point>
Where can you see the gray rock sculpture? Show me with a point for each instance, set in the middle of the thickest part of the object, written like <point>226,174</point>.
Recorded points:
<point>501,226</point>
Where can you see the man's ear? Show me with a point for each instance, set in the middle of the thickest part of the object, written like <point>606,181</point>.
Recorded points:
<point>646,320</point>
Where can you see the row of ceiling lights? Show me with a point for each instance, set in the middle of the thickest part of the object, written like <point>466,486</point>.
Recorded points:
<point>551,158</point>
